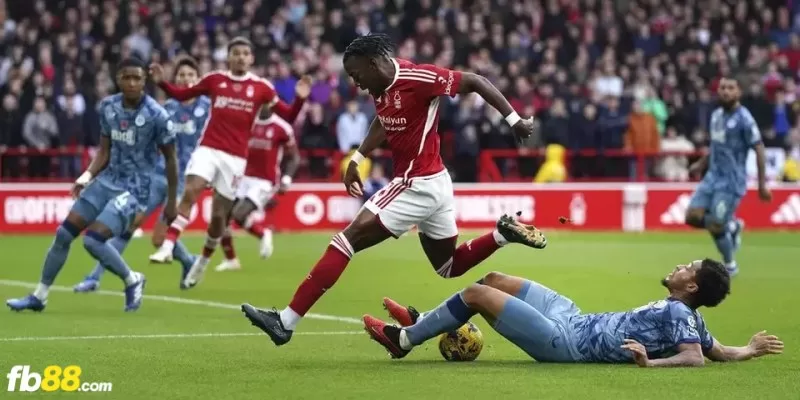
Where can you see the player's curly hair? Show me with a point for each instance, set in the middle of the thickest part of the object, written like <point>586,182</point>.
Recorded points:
<point>370,45</point>
<point>713,283</point>
<point>239,41</point>
<point>131,62</point>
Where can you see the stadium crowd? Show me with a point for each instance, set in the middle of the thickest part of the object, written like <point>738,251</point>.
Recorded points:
<point>623,75</point>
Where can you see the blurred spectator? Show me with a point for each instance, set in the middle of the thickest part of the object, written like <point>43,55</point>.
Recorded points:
<point>40,131</point>
<point>377,180</point>
<point>641,137</point>
<point>71,131</point>
<point>675,168</point>
<point>351,127</point>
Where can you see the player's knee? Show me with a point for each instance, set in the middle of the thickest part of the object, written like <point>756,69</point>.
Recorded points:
<point>716,228</point>
<point>694,218</point>
<point>93,240</point>
<point>66,233</point>
<point>473,295</point>
<point>493,279</point>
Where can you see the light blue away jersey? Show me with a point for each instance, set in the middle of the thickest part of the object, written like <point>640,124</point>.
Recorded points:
<point>136,135</point>
<point>733,134</point>
<point>660,326</point>
<point>188,121</point>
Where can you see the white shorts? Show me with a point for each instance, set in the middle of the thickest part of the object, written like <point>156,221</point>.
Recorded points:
<point>223,171</point>
<point>426,202</point>
<point>257,190</point>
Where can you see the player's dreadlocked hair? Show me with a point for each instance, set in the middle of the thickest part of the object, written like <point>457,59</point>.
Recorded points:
<point>370,45</point>
<point>713,283</point>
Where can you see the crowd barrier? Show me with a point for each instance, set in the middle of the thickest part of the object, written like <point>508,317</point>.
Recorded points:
<point>635,207</point>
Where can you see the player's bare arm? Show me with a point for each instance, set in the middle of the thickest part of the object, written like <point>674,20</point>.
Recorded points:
<point>171,167</point>
<point>292,155</point>
<point>763,192</point>
<point>290,112</point>
<point>689,355</point>
<point>760,344</point>
<point>699,166</point>
<point>352,180</point>
<point>95,167</point>
<point>472,83</point>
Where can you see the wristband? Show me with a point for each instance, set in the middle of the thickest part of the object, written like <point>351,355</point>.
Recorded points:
<point>84,178</point>
<point>357,157</point>
<point>513,118</point>
<point>286,180</point>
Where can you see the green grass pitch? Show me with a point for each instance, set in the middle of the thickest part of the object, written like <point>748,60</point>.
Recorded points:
<point>173,349</point>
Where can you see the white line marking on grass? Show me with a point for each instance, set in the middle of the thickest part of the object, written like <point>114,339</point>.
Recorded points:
<point>179,300</point>
<point>164,336</point>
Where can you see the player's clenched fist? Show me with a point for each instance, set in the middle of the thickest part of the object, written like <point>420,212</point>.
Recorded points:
<point>352,180</point>
<point>524,128</point>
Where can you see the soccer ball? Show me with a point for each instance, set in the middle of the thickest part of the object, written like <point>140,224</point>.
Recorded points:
<point>463,344</point>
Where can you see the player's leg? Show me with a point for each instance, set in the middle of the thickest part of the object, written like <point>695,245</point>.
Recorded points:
<point>699,205</point>
<point>118,216</point>
<point>722,227</point>
<point>220,210</point>
<point>179,252</point>
<point>365,231</point>
<point>230,262</point>
<point>439,234</point>
<point>254,196</point>
<point>85,210</point>
<point>200,172</point>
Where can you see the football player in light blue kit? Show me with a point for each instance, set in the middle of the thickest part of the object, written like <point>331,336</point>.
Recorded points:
<point>187,118</point>
<point>733,133</point>
<point>134,127</point>
<point>551,328</point>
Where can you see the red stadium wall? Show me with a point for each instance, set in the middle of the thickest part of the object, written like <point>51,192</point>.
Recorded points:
<point>38,208</point>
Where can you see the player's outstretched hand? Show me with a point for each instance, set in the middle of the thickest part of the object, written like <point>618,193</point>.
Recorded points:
<point>156,72</point>
<point>303,87</point>
<point>352,181</point>
<point>76,190</point>
<point>764,194</point>
<point>524,128</point>
<point>762,344</point>
<point>638,350</point>
<point>170,212</point>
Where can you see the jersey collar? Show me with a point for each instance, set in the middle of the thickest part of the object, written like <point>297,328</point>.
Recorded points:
<point>396,74</point>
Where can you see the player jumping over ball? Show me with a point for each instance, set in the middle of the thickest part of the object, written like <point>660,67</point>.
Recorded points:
<point>549,327</point>
<point>187,118</point>
<point>219,161</point>
<point>713,206</point>
<point>407,99</point>
<point>113,193</point>
<point>272,138</point>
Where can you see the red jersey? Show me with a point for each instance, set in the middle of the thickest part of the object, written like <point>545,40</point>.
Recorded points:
<point>269,138</point>
<point>409,112</point>
<point>235,103</point>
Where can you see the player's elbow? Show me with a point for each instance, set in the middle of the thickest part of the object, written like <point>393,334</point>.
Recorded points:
<point>472,83</point>
<point>693,358</point>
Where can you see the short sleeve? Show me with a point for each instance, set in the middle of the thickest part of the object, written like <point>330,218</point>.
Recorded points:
<point>165,131</point>
<point>436,81</point>
<point>752,135</point>
<point>683,326</point>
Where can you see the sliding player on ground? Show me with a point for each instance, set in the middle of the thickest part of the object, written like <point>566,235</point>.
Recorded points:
<point>113,193</point>
<point>407,100</point>
<point>219,161</point>
<point>713,206</point>
<point>187,118</point>
<point>272,138</point>
<point>549,327</point>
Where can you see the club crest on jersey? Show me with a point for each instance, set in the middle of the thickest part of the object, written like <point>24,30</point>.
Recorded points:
<point>250,91</point>
<point>269,133</point>
<point>397,104</point>
<point>199,112</point>
<point>223,85</point>
<point>731,123</point>
<point>139,121</point>
<point>237,87</point>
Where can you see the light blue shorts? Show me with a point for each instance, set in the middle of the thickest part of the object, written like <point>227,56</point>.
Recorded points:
<point>537,321</point>
<point>108,204</point>
<point>720,205</point>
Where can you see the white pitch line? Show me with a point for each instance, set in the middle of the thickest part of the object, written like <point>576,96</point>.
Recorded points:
<point>164,336</point>
<point>179,300</point>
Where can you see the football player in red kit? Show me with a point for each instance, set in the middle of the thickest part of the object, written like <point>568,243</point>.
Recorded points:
<point>219,161</point>
<point>272,139</point>
<point>407,99</point>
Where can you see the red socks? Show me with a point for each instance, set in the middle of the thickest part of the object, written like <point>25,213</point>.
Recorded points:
<point>227,245</point>
<point>468,255</point>
<point>323,276</point>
